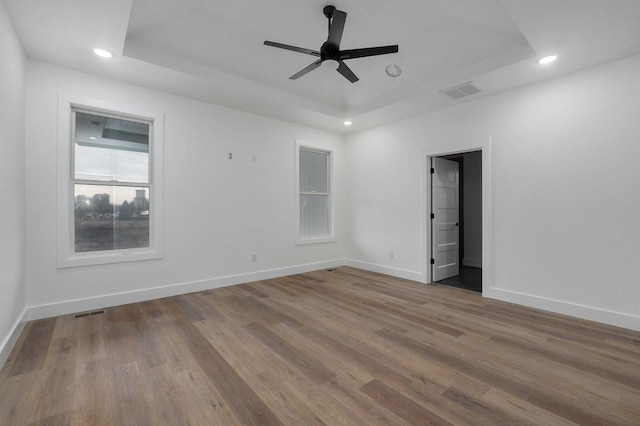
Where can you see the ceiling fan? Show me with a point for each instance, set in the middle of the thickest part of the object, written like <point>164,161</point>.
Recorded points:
<point>330,50</point>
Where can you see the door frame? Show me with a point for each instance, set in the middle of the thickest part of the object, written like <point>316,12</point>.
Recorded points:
<point>487,233</point>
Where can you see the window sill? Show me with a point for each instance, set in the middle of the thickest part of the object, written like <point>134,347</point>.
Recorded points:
<point>105,258</point>
<point>315,240</point>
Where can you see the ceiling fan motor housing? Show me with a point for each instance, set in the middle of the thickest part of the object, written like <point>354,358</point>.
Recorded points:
<point>329,51</point>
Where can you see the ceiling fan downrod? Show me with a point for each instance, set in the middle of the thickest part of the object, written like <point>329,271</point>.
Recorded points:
<point>328,12</point>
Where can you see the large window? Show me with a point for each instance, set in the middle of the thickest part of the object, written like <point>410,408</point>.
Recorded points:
<point>111,182</point>
<point>111,190</point>
<point>314,195</point>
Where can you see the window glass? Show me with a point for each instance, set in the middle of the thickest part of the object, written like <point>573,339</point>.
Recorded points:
<point>314,214</point>
<point>314,195</point>
<point>111,183</point>
<point>111,149</point>
<point>314,173</point>
<point>110,217</point>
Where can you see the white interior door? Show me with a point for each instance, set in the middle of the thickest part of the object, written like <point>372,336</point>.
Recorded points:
<point>445,211</point>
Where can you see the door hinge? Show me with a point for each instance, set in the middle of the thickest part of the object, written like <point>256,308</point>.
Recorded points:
<point>433,216</point>
<point>433,170</point>
<point>433,262</point>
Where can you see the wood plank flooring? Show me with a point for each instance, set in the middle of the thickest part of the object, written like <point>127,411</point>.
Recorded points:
<point>336,347</point>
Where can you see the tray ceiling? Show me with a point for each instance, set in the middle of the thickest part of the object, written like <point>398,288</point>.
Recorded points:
<point>213,49</point>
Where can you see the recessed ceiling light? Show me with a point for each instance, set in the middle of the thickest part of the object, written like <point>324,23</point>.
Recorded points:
<point>547,59</point>
<point>93,138</point>
<point>103,53</point>
<point>393,70</point>
<point>348,123</point>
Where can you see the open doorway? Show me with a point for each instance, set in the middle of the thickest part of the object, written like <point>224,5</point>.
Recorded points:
<point>456,220</point>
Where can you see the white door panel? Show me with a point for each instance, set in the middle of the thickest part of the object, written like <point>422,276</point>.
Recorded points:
<point>445,187</point>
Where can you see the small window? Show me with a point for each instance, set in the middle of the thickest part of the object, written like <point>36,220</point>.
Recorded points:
<point>112,212</point>
<point>314,196</point>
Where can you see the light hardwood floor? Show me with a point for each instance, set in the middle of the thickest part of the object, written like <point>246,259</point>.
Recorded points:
<point>328,347</point>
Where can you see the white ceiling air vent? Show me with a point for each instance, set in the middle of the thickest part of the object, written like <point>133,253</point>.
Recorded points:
<point>462,90</point>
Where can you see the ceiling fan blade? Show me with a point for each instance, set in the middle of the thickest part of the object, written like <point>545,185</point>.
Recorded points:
<point>368,51</point>
<point>305,70</point>
<point>346,72</point>
<point>294,48</point>
<point>337,27</point>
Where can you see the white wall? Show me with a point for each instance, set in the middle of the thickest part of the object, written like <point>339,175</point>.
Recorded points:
<point>12,167</point>
<point>217,212</point>
<point>563,190</point>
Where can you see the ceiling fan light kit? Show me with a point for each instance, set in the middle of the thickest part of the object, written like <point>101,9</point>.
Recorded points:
<point>330,49</point>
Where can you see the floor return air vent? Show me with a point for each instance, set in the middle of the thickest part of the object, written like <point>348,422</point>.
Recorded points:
<point>88,314</point>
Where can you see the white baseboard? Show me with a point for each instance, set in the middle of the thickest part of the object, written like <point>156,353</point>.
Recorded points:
<point>100,302</point>
<point>12,337</point>
<point>618,319</point>
<point>387,270</point>
<point>82,305</point>
<point>472,261</point>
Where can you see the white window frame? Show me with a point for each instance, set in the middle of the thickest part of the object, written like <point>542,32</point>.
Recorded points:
<point>66,255</point>
<point>314,239</point>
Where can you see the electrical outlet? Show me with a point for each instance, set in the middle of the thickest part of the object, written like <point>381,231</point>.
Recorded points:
<point>391,254</point>
<point>254,257</point>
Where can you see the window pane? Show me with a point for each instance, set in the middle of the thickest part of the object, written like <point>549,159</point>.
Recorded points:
<point>314,214</point>
<point>111,149</point>
<point>314,171</point>
<point>111,217</point>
